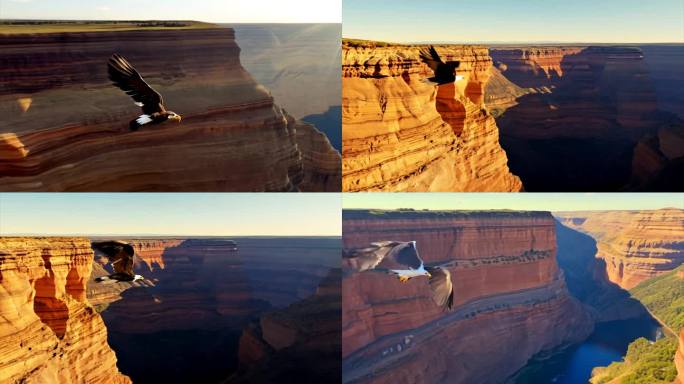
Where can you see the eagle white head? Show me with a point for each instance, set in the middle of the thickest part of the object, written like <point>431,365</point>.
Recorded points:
<point>137,277</point>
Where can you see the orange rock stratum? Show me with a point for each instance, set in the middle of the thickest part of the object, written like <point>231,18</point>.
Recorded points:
<point>65,127</point>
<point>635,245</point>
<point>49,333</point>
<point>510,299</point>
<point>402,134</point>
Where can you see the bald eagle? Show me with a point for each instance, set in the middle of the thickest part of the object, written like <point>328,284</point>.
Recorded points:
<point>120,255</point>
<point>444,72</point>
<point>406,254</point>
<point>124,76</point>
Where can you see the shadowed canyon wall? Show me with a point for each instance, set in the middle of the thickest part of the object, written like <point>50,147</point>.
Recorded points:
<point>49,333</point>
<point>403,134</point>
<point>579,126</point>
<point>633,245</point>
<point>65,127</point>
<point>507,287</point>
<point>184,321</point>
<point>300,343</point>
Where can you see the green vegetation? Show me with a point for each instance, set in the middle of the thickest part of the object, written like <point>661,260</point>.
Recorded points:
<point>664,297</point>
<point>406,213</point>
<point>359,43</point>
<point>15,27</point>
<point>646,362</point>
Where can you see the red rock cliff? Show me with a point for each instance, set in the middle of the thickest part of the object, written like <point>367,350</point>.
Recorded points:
<point>402,134</point>
<point>507,287</point>
<point>65,128</point>
<point>49,333</point>
<point>635,245</point>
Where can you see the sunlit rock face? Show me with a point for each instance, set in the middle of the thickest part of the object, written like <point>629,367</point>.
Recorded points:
<point>49,333</point>
<point>582,124</point>
<point>507,287</point>
<point>403,134</point>
<point>65,127</point>
<point>635,245</point>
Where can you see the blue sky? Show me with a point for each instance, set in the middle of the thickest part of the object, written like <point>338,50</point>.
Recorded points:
<point>473,21</point>
<point>516,201</point>
<point>228,11</point>
<point>205,214</point>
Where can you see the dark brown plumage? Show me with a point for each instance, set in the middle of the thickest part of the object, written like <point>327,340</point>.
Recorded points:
<point>124,76</point>
<point>444,72</point>
<point>120,256</point>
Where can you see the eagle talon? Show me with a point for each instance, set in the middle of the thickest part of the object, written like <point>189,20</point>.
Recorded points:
<point>403,279</point>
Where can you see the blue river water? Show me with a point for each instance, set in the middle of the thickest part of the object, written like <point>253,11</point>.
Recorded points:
<point>573,365</point>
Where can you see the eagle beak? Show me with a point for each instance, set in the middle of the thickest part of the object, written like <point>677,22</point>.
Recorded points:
<point>428,274</point>
<point>179,118</point>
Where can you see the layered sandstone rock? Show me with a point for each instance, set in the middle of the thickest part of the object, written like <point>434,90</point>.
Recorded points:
<point>49,333</point>
<point>532,67</point>
<point>298,343</point>
<point>658,160</point>
<point>74,136</point>
<point>501,93</point>
<point>635,245</point>
<point>403,134</point>
<point>507,287</point>
<point>578,130</point>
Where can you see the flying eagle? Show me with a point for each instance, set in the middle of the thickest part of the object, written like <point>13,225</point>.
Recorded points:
<point>406,254</point>
<point>124,76</point>
<point>444,72</point>
<point>120,255</point>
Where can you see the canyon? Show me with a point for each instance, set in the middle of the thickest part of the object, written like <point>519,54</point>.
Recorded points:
<point>597,118</point>
<point>277,346</point>
<point>633,246</point>
<point>49,333</point>
<point>67,129</point>
<point>183,321</point>
<point>508,287</point>
<point>403,134</point>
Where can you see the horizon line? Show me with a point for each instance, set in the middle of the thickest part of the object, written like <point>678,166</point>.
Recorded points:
<point>197,21</point>
<point>503,42</point>
<point>33,234</point>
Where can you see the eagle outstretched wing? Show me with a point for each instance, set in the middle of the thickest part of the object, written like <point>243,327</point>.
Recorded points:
<point>441,286</point>
<point>403,253</point>
<point>124,76</point>
<point>431,58</point>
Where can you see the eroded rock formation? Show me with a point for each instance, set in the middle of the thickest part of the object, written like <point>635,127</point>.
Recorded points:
<point>198,295</point>
<point>635,245</point>
<point>507,285</point>
<point>300,343</point>
<point>49,333</point>
<point>578,130</point>
<point>403,134</point>
<point>65,128</point>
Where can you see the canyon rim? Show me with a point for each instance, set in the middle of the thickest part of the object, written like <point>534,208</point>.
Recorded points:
<point>65,126</point>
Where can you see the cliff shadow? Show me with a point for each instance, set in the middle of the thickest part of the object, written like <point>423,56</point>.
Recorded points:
<point>447,105</point>
<point>580,135</point>
<point>586,278</point>
<point>306,349</point>
<point>330,123</point>
<point>188,326</point>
